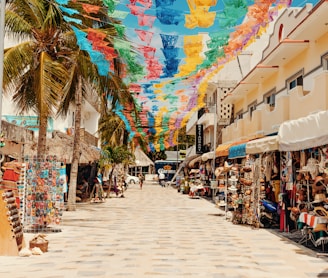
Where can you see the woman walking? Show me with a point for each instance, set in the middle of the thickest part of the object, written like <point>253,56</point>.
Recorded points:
<point>141,179</point>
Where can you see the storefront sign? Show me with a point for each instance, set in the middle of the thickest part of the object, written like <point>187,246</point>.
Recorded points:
<point>30,122</point>
<point>199,139</point>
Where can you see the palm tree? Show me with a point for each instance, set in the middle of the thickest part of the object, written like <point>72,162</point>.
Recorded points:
<point>113,156</point>
<point>34,72</point>
<point>48,71</point>
<point>83,75</point>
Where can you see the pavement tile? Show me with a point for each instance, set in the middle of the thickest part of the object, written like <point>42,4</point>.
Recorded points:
<point>157,232</point>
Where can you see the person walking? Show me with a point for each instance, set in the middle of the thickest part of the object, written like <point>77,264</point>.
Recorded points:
<point>141,179</point>
<point>161,179</point>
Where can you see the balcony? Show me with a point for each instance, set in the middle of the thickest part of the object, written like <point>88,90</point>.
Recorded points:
<point>191,124</point>
<point>266,120</point>
<point>233,132</point>
<point>85,136</point>
<point>272,117</point>
<point>88,138</point>
<point>204,116</point>
<point>253,125</point>
<point>303,103</point>
<point>207,120</point>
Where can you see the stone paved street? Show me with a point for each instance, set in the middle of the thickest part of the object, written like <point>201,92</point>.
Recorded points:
<point>157,232</point>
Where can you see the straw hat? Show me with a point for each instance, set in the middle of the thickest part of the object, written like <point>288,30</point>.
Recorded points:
<point>247,169</point>
<point>321,211</point>
<point>232,188</point>
<point>319,198</point>
<point>218,171</point>
<point>233,179</point>
<point>320,227</point>
<point>222,203</point>
<point>318,179</point>
<point>318,184</point>
<point>227,166</point>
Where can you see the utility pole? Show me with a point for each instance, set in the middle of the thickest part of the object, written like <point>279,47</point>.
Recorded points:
<point>176,169</point>
<point>214,189</point>
<point>2,47</point>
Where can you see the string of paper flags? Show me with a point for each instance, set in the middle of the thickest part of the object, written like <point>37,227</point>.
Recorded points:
<point>169,81</point>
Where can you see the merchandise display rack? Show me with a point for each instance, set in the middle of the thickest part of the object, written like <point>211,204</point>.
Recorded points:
<point>44,203</point>
<point>11,228</point>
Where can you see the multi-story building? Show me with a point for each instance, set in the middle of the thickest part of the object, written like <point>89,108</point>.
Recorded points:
<point>280,77</point>
<point>290,80</point>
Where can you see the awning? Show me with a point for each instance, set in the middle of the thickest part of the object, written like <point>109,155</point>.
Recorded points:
<point>237,151</point>
<point>207,156</point>
<point>223,150</point>
<point>193,162</point>
<point>189,159</point>
<point>304,133</point>
<point>262,145</point>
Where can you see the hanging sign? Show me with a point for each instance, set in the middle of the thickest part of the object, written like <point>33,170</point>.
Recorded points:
<point>199,139</point>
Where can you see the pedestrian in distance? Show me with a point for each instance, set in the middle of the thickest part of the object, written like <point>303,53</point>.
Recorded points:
<point>161,179</point>
<point>84,188</point>
<point>141,180</point>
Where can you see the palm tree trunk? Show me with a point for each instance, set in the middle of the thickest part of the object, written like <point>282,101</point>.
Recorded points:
<point>71,202</point>
<point>42,139</point>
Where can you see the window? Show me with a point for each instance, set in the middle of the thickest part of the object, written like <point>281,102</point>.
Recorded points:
<point>251,108</point>
<point>298,81</point>
<point>239,115</point>
<point>270,98</point>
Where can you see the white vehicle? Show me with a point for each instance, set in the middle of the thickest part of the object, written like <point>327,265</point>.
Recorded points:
<point>131,179</point>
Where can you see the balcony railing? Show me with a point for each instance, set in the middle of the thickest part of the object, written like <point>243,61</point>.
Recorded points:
<point>298,103</point>
<point>88,138</point>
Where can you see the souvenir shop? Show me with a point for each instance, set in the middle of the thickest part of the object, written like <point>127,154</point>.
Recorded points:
<point>303,145</point>
<point>277,181</point>
<point>32,199</point>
